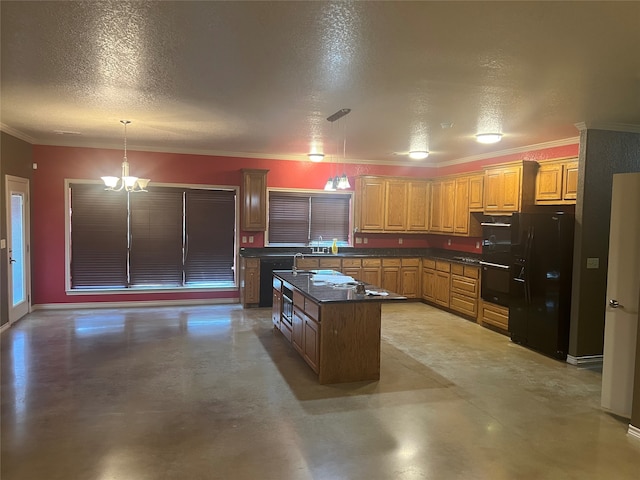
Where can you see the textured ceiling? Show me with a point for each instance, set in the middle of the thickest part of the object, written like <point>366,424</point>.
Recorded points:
<point>260,78</point>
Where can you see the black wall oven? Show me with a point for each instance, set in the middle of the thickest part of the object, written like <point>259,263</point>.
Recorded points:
<point>496,257</point>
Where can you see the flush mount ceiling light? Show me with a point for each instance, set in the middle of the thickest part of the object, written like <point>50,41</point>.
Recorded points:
<point>125,181</point>
<point>316,157</point>
<point>418,154</point>
<point>489,137</point>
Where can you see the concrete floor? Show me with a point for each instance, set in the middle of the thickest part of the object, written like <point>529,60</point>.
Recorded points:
<point>213,393</point>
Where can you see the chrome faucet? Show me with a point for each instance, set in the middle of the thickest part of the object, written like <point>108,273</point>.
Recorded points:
<point>295,265</point>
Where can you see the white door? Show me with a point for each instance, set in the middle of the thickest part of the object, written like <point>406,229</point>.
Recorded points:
<point>18,247</point>
<point>623,292</point>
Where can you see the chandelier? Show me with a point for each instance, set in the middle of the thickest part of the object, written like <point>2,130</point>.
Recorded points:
<point>125,181</point>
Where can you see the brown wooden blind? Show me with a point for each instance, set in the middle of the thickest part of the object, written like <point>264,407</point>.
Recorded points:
<point>156,238</point>
<point>98,237</point>
<point>210,227</point>
<point>298,218</point>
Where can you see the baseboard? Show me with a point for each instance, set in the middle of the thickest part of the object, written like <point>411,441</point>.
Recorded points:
<point>142,303</point>
<point>633,431</point>
<point>5,327</point>
<point>585,361</point>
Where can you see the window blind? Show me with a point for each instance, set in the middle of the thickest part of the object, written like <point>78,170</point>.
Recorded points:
<point>98,237</point>
<point>210,227</point>
<point>288,219</point>
<point>330,217</point>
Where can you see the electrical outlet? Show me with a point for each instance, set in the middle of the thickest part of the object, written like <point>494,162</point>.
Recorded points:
<point>251,239</point>
<point>400,241</point>
<point>358,240</point>
<point>477,245</point>
<point>244,239</point>
<point>448,241</point>
<point>3,243</point>
<point>365,240</point>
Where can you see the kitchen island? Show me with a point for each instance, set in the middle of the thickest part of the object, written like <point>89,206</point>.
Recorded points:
<point>333,328</point>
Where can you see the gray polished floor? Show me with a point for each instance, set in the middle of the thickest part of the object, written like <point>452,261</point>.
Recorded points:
<point>213,393</point>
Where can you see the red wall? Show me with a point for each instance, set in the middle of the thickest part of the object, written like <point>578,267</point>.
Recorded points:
<point>55,164</point>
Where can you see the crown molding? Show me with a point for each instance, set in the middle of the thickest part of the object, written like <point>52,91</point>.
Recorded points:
<point>17,133</point>
<point>511,151</point>
<point>614,127</point>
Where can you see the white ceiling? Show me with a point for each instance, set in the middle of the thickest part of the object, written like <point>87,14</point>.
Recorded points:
<point>260,78</point>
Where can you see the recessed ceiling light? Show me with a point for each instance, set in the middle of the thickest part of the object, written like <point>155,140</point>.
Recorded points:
<point>316,157</point>
<point>418,154</point>
<point>446,125</point>
<point>489,137</point>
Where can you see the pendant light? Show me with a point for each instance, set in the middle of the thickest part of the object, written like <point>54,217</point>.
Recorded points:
<point>125,181</point>
<point>339,183</point>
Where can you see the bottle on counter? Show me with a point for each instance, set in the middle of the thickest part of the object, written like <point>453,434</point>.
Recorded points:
<point>334,246</point>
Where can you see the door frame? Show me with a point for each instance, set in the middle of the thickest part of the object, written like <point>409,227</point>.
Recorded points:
<point>12,313</point>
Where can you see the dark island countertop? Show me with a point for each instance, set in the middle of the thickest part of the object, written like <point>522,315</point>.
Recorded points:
<point>326,293</point>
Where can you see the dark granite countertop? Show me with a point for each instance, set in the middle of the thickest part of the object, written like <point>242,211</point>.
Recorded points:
<point>350,252</point>
<point>324,293</point>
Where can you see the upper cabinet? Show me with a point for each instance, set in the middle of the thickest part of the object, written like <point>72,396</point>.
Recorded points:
<point>450,206</point>
<point>509,188</point>
<point>370,198</point>
<point>557,182</point>
<point>476,198</point>
<point>389,204</point>
<point>254,200</point>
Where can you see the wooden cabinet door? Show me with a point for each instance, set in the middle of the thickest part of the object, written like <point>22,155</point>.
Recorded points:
<point>448,205</point>
<point>395,218</point>
<point>410,282</point>
<point>297,330</point>
<point>370,275</point>
<point>511,185</point>
<point>276,310</point>
<point>429,284</point>
<point>372,203</point>
<point>391,278</point>
<point>442,288</point>
<point>570,181</point>
<point>418,210</point>
<point>493,181</point>
<point>254,200</point>
<point>549,182</point>
<point>461,209</point>
<point>354,272</point>
<point>476,182</point>
<point>435,210</point>
<point>311,345</point>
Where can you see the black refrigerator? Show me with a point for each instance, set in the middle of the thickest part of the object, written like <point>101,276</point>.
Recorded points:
<point>540,287</point>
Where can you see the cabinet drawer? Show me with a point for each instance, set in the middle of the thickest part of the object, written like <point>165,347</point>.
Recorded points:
<point>252,262</point>
<point>429,263</point>
<point>312,309</point>
<point>457,269</point>
<point>495,315</point>
<point>298,299</point>
<point>390,262</point>
<point>463,304</point>
<point>443,266</point>
<point>464,286</point>
<point>351,262</point>
<point>410,262</point>
<point>371,262</point>
<point>472,272</point>
<point>330,263</point>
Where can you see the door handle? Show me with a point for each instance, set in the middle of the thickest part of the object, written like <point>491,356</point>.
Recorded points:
<point>11,260</point>
<point>614,304</point>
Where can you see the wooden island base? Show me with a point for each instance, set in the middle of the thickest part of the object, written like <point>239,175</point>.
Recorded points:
<point>336,331</point>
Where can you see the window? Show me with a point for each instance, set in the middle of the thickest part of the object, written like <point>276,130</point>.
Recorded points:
<point>168,237</point>
<point>299,218</point>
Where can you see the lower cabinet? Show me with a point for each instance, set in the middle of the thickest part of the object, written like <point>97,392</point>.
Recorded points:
<point>465,288</point>
<point>305,336</point>
<point>371,271</point>
<point>276,312</point>
<point>391,274</point>
<point>311,342</point>
<point>352,267</point>
<point>494,315</point>
<point>443,277</point>
<point>249,281</point>
<point>410,277</point>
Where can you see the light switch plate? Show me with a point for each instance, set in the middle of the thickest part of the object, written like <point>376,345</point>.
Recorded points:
<point>358,240</point>
<point>593,262</point>
<point>399,241</point>
<point>365,240</point>
<point>244,239</point>
<point>250,238</point>
<point>3,243</point>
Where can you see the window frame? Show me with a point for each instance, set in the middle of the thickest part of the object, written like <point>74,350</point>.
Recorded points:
<point>325,242</point>
<point>145,290</point>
